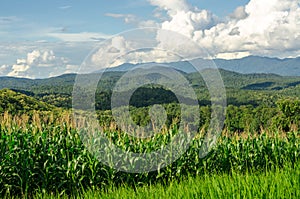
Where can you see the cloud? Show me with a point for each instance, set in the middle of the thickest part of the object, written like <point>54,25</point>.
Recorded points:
<point>34,59</point>
<point>74,51</point>
<point>188,22</point>
<point>235,31</point>
<point>269,28</point>
<point>239,13</point>
<point>8,20</point>
<point>18,69</point>
<point>128,18</point>
<point>41,58</point>
<point>38,64</point>
<point>65,7</point>
<point>141,46</point>
<point>233,55</point>
<point>78,37</point>
<point>171,6</point>
<point>54,58</point>
<point>108,53</point>
<point>262,27</point>
<point>132,19</point>
<point>5,69</point>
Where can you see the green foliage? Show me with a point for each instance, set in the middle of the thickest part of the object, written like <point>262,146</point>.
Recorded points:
<point>289,114</point>
<point>242,89</point>
<point>53,159</point>
<point>251,119</point>
<point>58,100</point>
<point>290,108</point>
<point>277,183</point>
<point>16,103</point>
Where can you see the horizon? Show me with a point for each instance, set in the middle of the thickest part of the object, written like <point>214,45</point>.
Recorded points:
<point>118,68</point>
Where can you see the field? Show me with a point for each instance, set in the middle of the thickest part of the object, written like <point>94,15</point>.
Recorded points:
<point>281,183</point>
<point>44,157</point>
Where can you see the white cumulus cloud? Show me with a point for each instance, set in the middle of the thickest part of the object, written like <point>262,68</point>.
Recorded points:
<point>125,49</point>
<point>5,69</point>
<point>239,13</point>
<point>172,6</point>
<point>38,63</point>
<point>108,53</point>
<point>262,27</point>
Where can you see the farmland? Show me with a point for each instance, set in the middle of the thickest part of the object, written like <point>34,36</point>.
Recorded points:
<point>43,153</point>
<point>48,157</point>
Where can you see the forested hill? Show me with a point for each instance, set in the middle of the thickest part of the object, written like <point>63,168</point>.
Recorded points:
<point>17,103</point>
<point>53,84</point>
<point>64,84</point>
<point>241,88</point>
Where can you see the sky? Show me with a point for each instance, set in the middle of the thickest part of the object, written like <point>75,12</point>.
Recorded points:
<point>40,39</point>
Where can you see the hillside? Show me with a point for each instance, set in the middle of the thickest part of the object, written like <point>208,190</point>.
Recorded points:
<point>64,84</point>
<point>15,103</point>
<point>241,88</point>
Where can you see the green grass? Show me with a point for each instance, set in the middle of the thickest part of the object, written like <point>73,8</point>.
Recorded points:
<point>277,183</point>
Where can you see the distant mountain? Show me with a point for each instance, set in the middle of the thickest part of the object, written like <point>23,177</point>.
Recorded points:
<point>255,64</point>
<point>247,65</point>
<point>57,91</point>
<point>47,85</point>
<point>64,84</point>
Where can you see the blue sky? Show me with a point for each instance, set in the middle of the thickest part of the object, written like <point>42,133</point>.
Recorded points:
<point>47,38</point>
<point>32,19</point>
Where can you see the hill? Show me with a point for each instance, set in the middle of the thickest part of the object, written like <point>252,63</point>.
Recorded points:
<point>15,103</point>
<point>241,88</point>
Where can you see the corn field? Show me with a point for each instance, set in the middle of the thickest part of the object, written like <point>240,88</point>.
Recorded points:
<point>46,154</point>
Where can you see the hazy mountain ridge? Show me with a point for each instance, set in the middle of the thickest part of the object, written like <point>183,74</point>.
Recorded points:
<point>64,84</point>
<point>246,65</point>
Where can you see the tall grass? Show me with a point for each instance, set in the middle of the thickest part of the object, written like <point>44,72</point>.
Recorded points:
<point>47,155</point>
<point>275,183</point>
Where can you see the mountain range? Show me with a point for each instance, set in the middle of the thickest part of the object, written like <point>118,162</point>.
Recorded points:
<point>248,81</point>
<point>246,65</point>
<point>250,72</point>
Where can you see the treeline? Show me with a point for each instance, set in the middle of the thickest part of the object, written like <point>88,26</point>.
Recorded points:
<point>247,118</point>
<point>284,117</point>
<point>282,114</point>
